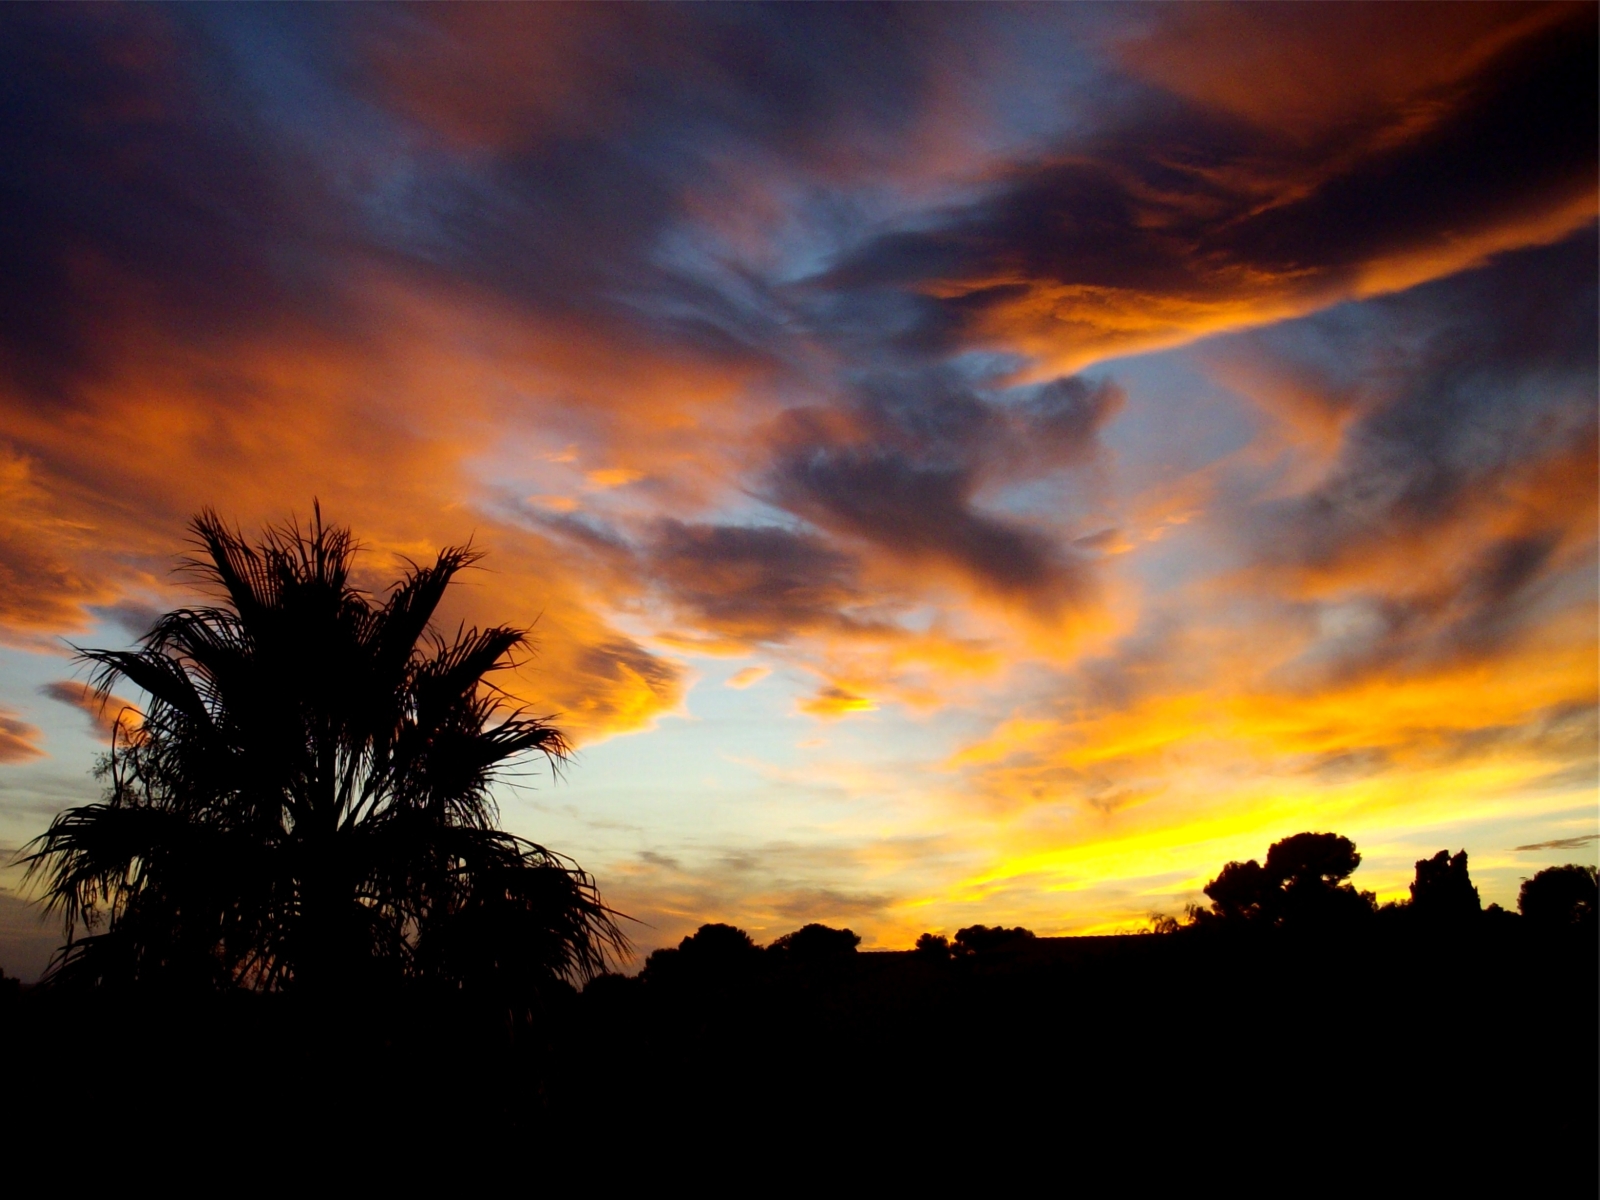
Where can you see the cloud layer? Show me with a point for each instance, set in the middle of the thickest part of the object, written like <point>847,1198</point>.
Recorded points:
<point>1164,427</point>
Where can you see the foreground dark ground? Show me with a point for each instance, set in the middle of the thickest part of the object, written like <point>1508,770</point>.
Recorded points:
<point>1339,1058</point>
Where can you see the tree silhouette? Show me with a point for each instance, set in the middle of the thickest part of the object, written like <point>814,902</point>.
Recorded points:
<point>714,953</point>
<point>718,943</point>
<point>816,944</point>
<point>1243,891</point>
<point>933,946</point>
<point>1442,890</point>
<point>1558,897</point>
<point>1302,884</point>
<point>305,800</point>
<point>982,939</point>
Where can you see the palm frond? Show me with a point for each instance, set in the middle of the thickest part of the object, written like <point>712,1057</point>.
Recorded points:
<point>310,793</point>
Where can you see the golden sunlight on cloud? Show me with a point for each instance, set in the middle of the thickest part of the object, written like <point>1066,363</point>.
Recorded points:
<point>1063,328</point>
<point>556,504</point>
<point>746,676</point>
<point>1197,778</point>
<point>1174,845</point>
<point>1452,251</point>
<point>834,701</point>
<point>611,477</point>
<point>99,504</point>
<point>45,581</point>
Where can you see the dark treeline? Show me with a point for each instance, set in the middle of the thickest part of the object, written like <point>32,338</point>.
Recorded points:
<point>296,930</point>
<point>1291,1018</point>
<point>1286,1023</point>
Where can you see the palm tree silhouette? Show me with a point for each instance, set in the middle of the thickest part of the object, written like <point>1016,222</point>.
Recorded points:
<point>304,802</point>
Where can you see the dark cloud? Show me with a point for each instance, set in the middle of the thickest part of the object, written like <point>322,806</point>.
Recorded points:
<point>1082,221</point>
<point>219,171</point>
<point>1180,201</point>
<point>919,511</point>
<point>1474,613</point>
<point>938,417</point>
<point>132,617</point>
<point>755,583</point>
<point>1571,843</point>
<point>1519,136</point>
<point>594,136</point>
<point>904,469</point>
<point>136,186</point>
<point>793,75</point>
<point>1499,584</point>
<point>1058,424</point>
<point>1468,382</point>
<point>215,173</point>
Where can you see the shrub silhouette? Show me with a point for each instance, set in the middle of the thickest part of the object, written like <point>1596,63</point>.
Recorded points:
<point>1558,897</point>
<point>305,803</point>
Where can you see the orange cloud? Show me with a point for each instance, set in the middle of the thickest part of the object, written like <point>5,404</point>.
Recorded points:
<point>105,712</point>
<point>835,701</point>
<point>612,477</point>
<point>747,676</point>
<point>257,429</point>
<point>1184,221</point>
<point>19,741</point>
<point>45,584</point>
<point>1318,72</point>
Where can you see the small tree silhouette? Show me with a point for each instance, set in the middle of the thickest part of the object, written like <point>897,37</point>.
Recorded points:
<point>1559,897</point>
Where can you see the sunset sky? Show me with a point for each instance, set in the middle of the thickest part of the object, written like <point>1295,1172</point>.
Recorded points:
<point>960,464</point>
